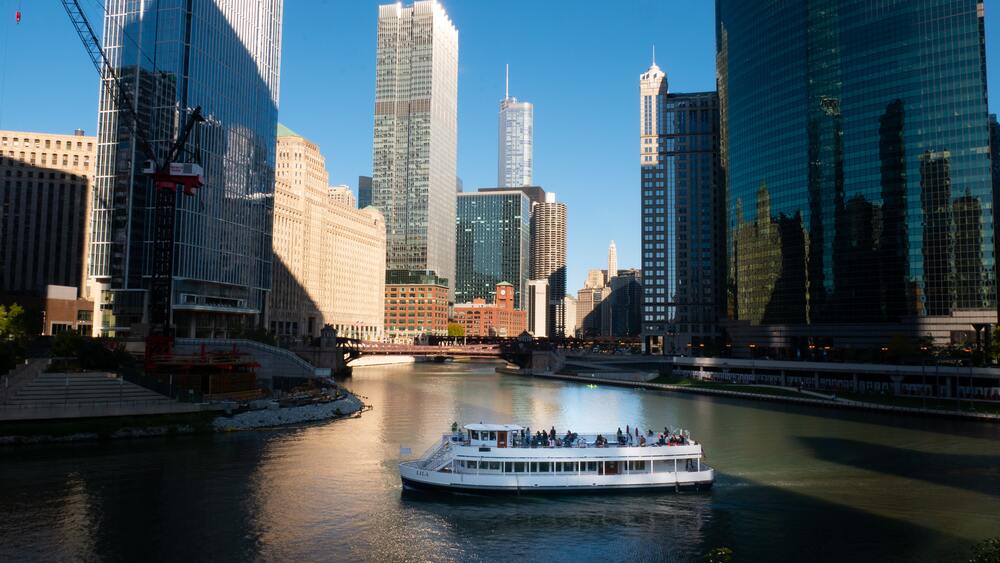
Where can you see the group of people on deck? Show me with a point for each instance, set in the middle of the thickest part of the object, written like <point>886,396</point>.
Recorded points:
<point>542,439</point>
<point>630,437</point>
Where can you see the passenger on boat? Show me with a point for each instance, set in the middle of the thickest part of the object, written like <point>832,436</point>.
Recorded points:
<point>552,433</point>
<point>642,441</point>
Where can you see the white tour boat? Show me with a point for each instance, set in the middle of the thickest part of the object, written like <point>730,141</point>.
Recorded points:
<point>500,458</point>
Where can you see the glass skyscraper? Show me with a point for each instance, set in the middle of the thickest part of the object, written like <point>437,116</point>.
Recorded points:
<point>855,141</point>
<point>516,122</point>
<point>493,244</point>
<point>682,238</point>
<point>222,55</point>
<point>416,132</point>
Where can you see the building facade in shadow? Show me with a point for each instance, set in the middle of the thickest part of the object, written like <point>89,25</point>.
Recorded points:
<point>224,57</point>
<point>879,217</point>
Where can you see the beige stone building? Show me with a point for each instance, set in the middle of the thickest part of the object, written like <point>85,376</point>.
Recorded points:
<point>45,185</point>
<point>329,258</point>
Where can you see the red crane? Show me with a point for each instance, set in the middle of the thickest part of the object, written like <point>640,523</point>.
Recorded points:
<point>169,175</point>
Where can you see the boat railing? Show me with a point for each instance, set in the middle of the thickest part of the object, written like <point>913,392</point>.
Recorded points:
<point>589,440</point>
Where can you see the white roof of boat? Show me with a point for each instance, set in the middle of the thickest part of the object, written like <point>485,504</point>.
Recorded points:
<point>492,427</point>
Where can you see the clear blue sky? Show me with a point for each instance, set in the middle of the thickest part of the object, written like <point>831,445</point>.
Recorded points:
<point>578,62</point>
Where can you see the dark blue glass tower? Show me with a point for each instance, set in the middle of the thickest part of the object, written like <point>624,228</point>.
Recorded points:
<point>855,142</point>
<point>493,240</point>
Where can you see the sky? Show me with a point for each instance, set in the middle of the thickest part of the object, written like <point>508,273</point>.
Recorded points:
<point>577,62</point>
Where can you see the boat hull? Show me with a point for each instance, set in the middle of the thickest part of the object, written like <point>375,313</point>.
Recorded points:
<point>469,489</point>
<point>415,479</point>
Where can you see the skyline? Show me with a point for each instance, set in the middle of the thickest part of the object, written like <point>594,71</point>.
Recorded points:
<point>550,67</point>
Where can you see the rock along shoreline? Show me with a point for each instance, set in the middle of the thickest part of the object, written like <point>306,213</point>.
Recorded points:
<point>269,418</point>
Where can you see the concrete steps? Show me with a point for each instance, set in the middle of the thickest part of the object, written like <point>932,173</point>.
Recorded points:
<point>82,388</point>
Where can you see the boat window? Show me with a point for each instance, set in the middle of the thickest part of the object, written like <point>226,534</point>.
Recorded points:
<point>637,465</point>
<point>569,466</point>
<point>519,467</point>
<point>534,467</point>
<point>475,435</point>
<point>543,466</point>
<point>508,467</point>
<point>470,464</point>
<point>591,465</point>
<point>557,466</point>
<point>493,435</point>
<point>494,466</point>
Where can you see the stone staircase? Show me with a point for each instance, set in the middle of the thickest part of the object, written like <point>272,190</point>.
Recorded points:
<point>64,389</point>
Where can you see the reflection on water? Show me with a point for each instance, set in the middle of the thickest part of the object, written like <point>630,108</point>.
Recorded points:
<point>793,484</point>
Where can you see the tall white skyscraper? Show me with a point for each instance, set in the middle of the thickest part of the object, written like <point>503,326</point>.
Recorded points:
<point>416,132</point>
<point>514,162</point>
<point>548,258</point>
<point>612,261</point>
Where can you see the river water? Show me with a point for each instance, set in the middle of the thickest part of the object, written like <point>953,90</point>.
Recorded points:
<point>793,484</point>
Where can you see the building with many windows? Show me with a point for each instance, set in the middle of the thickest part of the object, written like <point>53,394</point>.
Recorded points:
<point>516,123</point>
<point>859,201</point>
<point>416,305</point>
<point>45,184</point>
<point>493,244</point>
<point>498,319</point>
<point>682,217</point>
<point>548,259</point>
<point>329,256</point>
<point>222,56</point>
<point>415,141</point>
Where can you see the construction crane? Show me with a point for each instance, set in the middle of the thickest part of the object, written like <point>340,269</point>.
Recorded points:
<point>169,176</point>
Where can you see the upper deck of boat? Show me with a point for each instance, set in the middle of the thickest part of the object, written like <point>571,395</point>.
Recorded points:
<point>509,441</point>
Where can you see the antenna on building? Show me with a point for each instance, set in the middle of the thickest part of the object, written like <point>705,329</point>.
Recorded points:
<point>506,88</point>
<point>654,54</point>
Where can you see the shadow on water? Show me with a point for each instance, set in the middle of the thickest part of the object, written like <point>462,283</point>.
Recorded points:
<point>942,425</point>
<point>758,522</point>
<point>977,473</point>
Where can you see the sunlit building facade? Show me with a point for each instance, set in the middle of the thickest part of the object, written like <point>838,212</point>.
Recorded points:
<point>860,206</point>
<point>415,140</point>
<point>516,124</point>
<point>224,56</point>
<point>416,306</point>
<point>329,256</point>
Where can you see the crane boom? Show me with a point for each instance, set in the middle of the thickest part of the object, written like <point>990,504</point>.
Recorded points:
<point>168,177</point>
<point>103,65</point>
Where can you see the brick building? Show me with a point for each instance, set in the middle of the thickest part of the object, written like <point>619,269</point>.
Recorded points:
<point>493,319</point>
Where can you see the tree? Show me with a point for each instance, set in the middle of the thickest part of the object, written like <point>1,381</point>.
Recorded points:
<point>66,344</point>
<point>986,551</point>
<point>13,323</point>
<point>455,329</point>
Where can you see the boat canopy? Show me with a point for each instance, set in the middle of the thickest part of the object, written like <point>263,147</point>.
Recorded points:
<point>493,427</point>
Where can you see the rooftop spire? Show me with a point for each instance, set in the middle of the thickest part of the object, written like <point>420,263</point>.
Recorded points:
<point>654,54</point>
<point>506,90</point>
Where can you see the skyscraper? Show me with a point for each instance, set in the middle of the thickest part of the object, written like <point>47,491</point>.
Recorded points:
<point>682,244</point>
<point>493,244</point>
<point>872,218</point>
<point>514,164</point>
<point>414,157</point>
<point>548,258</point>
<point>223,56</point>
<point>612,261</point>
